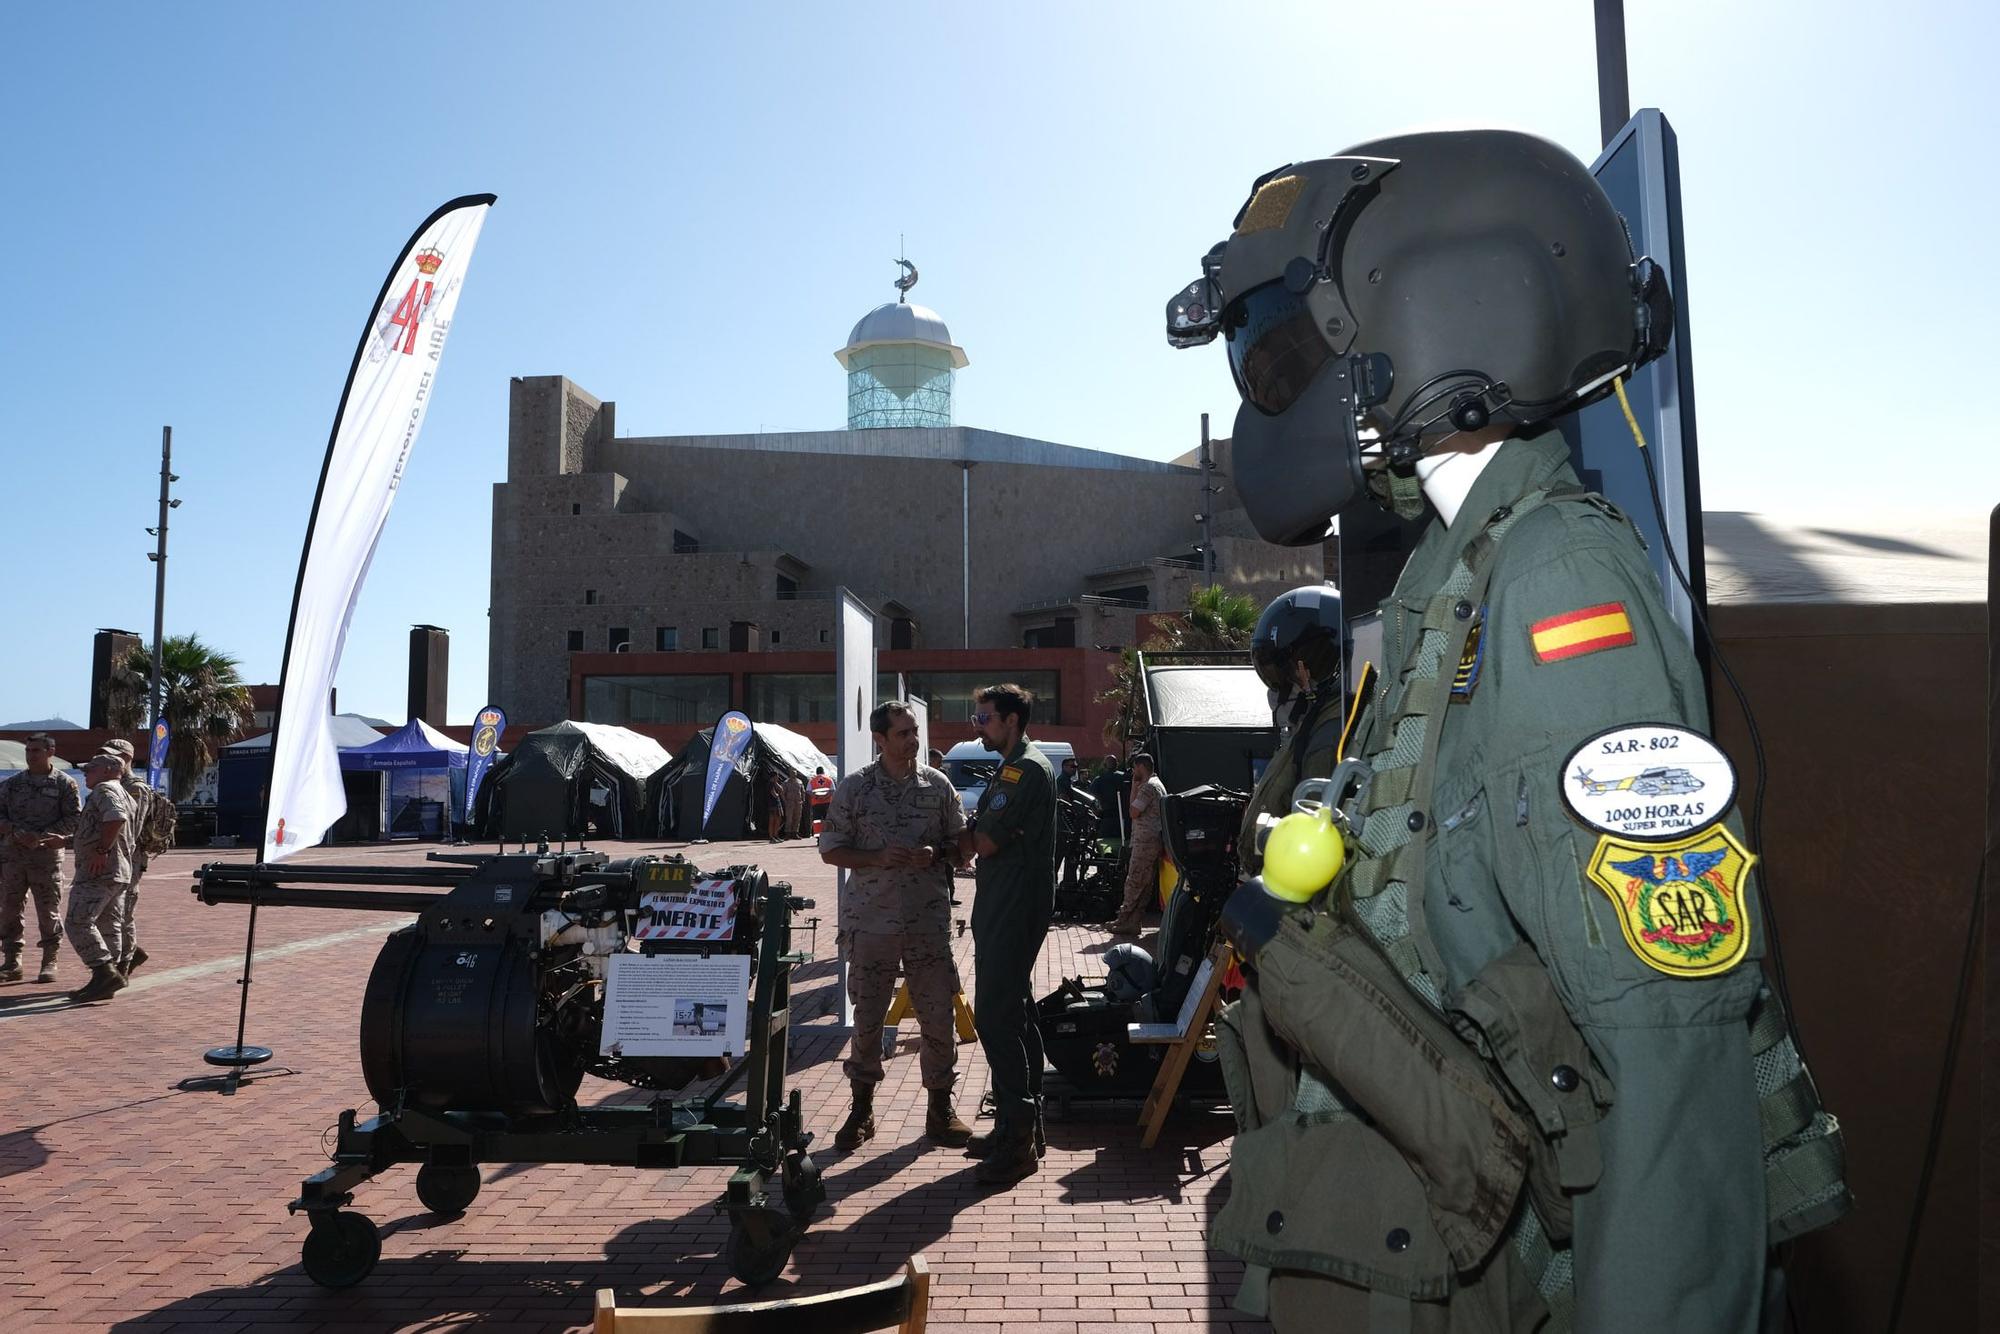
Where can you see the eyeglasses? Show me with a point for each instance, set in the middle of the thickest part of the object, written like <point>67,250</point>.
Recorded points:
<point>984,718</point>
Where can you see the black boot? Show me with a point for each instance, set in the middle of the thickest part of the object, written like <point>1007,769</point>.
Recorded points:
<point>1011,1159</point>
<point>860,1124</point>
<point>10,971</point>
<point>139,957</point>
<point>105,981</point>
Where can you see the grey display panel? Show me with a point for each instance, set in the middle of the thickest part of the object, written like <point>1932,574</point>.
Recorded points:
<point>1640,170</point>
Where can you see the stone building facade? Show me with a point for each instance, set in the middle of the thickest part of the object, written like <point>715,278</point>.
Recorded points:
<point>960,538</point>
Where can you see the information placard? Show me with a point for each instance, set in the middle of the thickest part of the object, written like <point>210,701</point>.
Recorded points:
<point>676,1005</point>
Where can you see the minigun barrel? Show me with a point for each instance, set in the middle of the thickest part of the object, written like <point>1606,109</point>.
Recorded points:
<point>299,886</point>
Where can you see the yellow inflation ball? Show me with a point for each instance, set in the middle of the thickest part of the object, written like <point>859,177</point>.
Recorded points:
<point>1302,855</point>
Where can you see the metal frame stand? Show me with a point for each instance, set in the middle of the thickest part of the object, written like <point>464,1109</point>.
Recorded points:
<point>237,1058</point>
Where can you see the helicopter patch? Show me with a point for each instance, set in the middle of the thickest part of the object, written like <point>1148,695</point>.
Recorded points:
<point>1648,782</point>
<point>1680,905</point>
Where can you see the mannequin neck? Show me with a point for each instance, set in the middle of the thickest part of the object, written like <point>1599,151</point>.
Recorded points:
<point>1447,476</point>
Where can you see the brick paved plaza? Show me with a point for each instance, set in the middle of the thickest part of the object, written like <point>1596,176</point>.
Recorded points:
<point>125,1204</point>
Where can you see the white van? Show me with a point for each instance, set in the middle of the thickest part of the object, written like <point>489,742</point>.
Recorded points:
<point>969,766</point>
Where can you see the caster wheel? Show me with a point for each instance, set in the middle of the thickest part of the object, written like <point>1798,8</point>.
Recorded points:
<point>447,1190</point>
<point>341,1252</point>
<point>756,1261</point>
<point>804,1191</point>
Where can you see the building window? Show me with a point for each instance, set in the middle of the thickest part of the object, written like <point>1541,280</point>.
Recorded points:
<point>949,694</point>
<point>774,639</point>
<point>576,641</point>
<point>654,699</point>
<point>1132,595</point>
<point>620,639</point>
<point>825,636</point>
<point>787,588</point>
<point>791,697</point>
<point>576,509</point>
<point>711,637</point>
<point>590,597</point>
<point>667,639</point>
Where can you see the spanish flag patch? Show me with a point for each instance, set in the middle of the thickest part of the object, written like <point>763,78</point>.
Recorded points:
<point>1586,630</point>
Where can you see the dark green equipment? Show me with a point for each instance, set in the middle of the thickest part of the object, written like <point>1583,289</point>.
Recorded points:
<point>481,1018</point>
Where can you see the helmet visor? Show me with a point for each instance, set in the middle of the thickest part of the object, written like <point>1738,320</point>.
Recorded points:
<point>1274,667</point>
<point>1275,349</point>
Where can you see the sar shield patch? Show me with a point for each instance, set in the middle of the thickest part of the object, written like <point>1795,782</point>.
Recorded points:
<point>1680,904</point>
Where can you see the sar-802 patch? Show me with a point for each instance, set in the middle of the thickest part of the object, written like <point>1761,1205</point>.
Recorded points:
<point>1585,630</point>
<point>1680,905</point>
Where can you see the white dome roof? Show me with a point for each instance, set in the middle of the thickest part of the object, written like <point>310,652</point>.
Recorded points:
<point>902,322</point>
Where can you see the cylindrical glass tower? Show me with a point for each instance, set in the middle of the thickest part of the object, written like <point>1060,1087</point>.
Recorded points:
<point>899,362</point>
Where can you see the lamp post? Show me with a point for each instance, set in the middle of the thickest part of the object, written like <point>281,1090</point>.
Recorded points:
<point>155,704</point>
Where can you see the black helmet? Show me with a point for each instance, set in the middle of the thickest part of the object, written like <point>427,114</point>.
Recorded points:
<point>1413,288</point>
<point>1303,625</point>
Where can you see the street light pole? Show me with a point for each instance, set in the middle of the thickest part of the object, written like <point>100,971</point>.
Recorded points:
<point>1614,96</point>
<point>1208,490</point>
<point>155,704</point>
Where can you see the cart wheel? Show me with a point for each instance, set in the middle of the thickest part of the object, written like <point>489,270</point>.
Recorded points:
<point>755,1262</point>
<point>447,1190</point>
<point>804,1191</point>
<point>342,1251</point>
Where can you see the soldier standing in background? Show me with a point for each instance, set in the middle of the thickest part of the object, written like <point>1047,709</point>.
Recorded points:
<point>38,811</point>
<point>103,871</point>
<point>795,804</point>
<point>141,834</point>
<point>893,824</point>
<point>1142,876</point>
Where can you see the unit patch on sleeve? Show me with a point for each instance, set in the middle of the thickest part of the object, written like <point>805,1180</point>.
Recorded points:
<point>1585,630</point>
<point>1466,678</point>
<point>1680,904</point>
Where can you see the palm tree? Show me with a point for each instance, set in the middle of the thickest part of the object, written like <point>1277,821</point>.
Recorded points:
<point>207,704</point>
<point>1215,620</point>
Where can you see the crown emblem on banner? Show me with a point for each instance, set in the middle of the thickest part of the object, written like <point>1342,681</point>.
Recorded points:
<point>430,259</point>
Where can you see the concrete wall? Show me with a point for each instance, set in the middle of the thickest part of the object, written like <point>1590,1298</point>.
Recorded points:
<point>883,512</point>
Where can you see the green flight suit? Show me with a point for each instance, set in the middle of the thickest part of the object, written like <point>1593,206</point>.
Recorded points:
<point>1311,751</point>
<point>1666,1209</point>
<point>1010,916</point>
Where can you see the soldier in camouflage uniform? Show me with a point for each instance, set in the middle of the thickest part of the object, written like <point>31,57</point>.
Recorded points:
<point>38,812</point>
<point>1142,875</point>
<point>141,835</point>
<point>893,825</point>
<point>103,870</point>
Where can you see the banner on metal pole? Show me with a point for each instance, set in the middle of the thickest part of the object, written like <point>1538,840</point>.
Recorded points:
<point>854,686</point>
<point>389,388</point>
<point>156,758</point>
<point>488,726</point>
<point>726,745</point>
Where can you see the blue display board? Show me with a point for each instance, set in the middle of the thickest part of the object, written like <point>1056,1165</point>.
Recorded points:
<point>1640,170</point>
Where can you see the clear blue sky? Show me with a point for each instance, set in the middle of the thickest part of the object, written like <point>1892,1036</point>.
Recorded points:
<point>697,202</point>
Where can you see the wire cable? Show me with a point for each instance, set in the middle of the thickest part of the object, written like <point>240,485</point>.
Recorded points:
<point>1756,821</point>
<point>1935,1139</point>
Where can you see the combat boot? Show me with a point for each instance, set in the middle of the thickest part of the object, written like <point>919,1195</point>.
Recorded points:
<point>941,1123</point>
<point>105,982</point>
<point>860,1124</point>
<point>1011,1159</point>
<point>48,973</point>
<point>139,956</point>
<point>10,970</point>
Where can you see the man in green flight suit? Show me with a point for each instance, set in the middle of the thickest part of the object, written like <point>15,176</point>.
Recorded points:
<point>1013,832</point>
<point>1297,651</point>
<point>1510,1072</point>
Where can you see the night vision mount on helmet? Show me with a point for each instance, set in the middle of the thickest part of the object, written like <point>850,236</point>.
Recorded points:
<point>1408,290</point>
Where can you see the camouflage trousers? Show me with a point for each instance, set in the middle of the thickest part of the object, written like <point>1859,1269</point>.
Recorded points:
<point>925,958</point>
<point>92,920</point>
<point>21,877</point>
<point>128,918</point>
<point>1142,882</point>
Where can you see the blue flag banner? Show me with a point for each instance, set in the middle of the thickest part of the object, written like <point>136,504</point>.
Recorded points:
<point>486,732</point>
<point>726,746</point>
<point>156,759</point>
